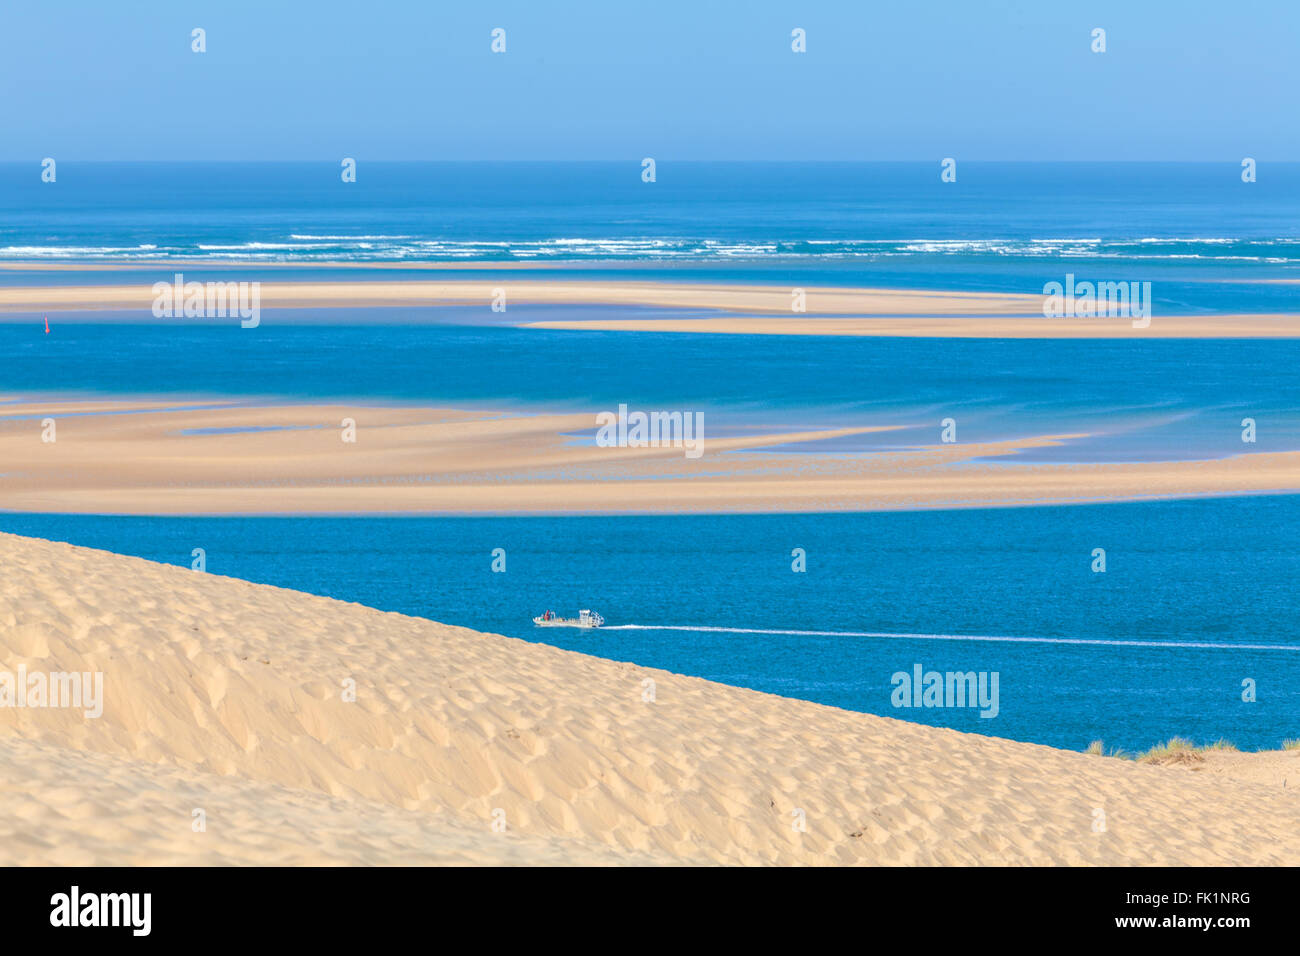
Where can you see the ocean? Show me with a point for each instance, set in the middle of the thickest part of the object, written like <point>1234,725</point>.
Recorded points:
<point>1207,241</point>
<point>1140,400</point>
<point>1198,596</point>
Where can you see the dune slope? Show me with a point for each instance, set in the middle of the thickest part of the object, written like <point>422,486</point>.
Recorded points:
<point>228,696</point>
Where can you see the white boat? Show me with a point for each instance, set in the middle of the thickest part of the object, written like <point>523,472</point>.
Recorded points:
<point>585,618</point>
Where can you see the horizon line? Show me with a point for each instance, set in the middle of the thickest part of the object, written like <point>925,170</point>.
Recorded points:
<point>1236,160</point>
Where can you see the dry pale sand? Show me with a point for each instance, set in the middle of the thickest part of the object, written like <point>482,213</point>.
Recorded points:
<point>759,309</point>
<point>685,295</point>
<point>1278,768</point>
<point>135,458</point>
<point>64,806</point>
<point>225,696</point>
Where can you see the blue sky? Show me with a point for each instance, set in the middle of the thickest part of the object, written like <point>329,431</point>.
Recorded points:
<point>415,79</point>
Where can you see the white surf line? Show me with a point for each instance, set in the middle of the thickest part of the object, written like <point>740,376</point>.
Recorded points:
<point>957,637</point>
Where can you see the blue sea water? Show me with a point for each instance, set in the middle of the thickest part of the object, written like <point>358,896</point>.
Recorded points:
<point>1207,241</point>
<point>1181,574</point>
<point>1185,573</point>
<point>1140,399</point>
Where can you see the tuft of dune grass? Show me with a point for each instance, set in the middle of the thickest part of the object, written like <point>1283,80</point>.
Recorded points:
<point>1098,749</point>
<point>1178,750</point>
<point>1173,750</point>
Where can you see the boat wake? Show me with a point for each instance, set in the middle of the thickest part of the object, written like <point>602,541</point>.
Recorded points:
<point>954,637</point>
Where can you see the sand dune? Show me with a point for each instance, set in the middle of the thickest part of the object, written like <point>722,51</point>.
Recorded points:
<point>139,457</point>
<point>61,806</point>
<point>226,695</point>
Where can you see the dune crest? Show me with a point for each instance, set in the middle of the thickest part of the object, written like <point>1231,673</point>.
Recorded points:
<point>230,696</point>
